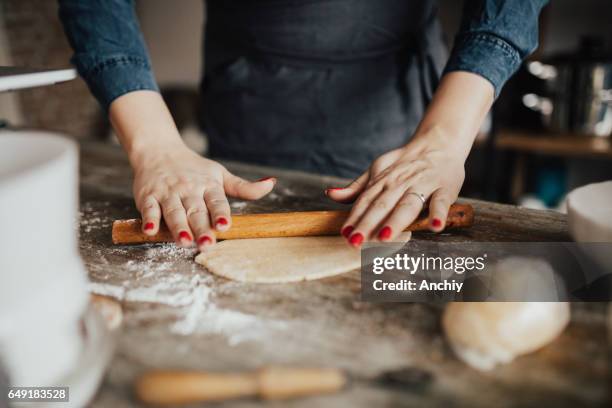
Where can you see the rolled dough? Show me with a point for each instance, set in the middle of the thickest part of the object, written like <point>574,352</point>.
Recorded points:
<point>278,260</point>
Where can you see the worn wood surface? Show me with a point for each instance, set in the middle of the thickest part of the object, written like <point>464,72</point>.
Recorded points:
<point>229,326</point>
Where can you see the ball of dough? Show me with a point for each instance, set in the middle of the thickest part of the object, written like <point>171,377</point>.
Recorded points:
<point>489,333</point>
<point>521,278</point>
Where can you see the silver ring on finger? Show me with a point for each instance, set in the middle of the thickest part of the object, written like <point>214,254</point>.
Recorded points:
<point>420,196</point>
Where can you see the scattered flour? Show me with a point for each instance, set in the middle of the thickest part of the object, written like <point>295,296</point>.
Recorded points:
<point>92,218</point>
<point>204,316</point>
<point>287,192</point>
<point>239,205</point>
<point>152,277</point>
<point>273,196</point>
<point>117,292</point>
<point>153,280</point>
<point>173,290</point>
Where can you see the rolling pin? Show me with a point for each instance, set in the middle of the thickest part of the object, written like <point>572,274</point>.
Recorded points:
<point>183,387</point>
<point>285,224</point>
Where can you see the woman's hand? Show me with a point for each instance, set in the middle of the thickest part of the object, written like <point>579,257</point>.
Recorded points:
<point>190,192</point>
<point>172,181</point>
<point>387,195</point>
<point>431,164</point>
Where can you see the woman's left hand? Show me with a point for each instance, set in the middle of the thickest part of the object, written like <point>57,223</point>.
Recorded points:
<point>387,195</point>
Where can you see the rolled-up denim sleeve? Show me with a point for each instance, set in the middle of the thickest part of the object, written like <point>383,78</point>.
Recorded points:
<point>495,37</point>
<point>109,50</point>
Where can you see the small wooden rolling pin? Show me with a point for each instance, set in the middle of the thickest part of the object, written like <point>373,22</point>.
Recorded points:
<point>285,224</point>
<point>180,387</point>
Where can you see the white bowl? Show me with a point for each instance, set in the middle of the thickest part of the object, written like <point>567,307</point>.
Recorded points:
<point>84,379</point>
<point>589,211</point>
<point>43,291</point>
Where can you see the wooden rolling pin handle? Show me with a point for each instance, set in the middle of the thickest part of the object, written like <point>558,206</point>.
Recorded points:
<point>283,383</point>
<point>287,224</point>
<point>174,387</point>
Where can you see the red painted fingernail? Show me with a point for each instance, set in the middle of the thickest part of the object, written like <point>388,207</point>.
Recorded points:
<point>149,226</point>
<point>266,179</point>
<point>184,235</point>
<point>204,240</point>
<point>384,233</point>
<point>436,222</point>
<point>221,221</point>
<point>327,191</point>
<point>346,231</point>
<point>356,239</point>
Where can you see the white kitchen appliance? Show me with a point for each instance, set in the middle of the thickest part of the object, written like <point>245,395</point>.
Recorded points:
<point>50,336</point>
<point>13,78</point>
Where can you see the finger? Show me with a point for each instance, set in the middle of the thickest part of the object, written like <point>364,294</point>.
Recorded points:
<point>438,209</point>
<point>354,237</point>
<point>349,193</point>
<point>151,215</point>
<point>405,212</point>
<point>219,208</point>
<point>378,211</point>
<point>199,221</point>
<point>176,220</point>
<point>248,190</point>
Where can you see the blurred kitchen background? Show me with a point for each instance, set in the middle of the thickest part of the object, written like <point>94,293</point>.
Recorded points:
<point>548,133</point>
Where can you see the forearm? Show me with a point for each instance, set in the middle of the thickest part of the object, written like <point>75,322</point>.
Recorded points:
<point>143,125</point>
<point>109,49</point>
<point>456,111</point>
<point>495,36</point>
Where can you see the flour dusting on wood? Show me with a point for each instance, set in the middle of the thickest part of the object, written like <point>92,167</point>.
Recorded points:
<point>151,278</point>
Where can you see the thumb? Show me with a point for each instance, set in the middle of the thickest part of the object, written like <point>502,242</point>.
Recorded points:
<point>349,193</point>
<point>247,190</point>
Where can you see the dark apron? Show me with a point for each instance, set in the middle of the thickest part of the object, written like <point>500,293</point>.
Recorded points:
<point>321,86</point>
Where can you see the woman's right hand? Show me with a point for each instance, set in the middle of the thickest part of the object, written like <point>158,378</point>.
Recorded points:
<point>189,191</point>
<point>171,180</point>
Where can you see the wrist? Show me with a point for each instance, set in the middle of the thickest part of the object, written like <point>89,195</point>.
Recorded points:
<point>144,126</point>
<point>455,114</point>
<point>150,148</point>
<point>443,138</point>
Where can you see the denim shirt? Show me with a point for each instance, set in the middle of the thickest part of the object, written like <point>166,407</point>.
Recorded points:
<point>110,54</point>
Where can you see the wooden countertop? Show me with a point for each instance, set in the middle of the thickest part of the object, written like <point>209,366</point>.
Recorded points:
<point>208,323</point>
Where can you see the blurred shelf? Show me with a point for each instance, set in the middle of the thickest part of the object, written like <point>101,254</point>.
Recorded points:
<point>555,144</point>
